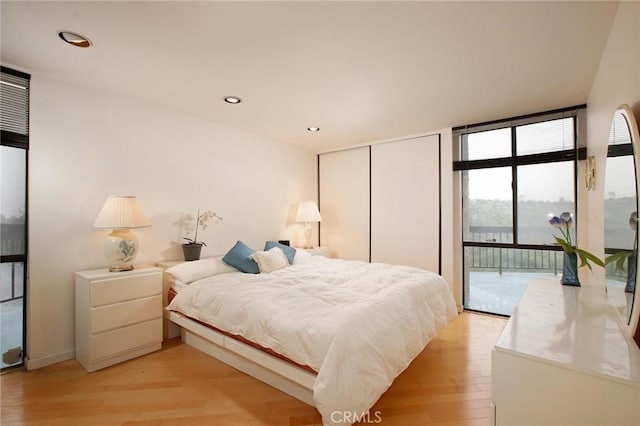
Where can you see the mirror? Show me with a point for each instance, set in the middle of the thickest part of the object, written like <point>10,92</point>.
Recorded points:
<point>620,216</point>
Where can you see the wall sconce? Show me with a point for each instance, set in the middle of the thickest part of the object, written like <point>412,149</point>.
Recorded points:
<point>590,173</point>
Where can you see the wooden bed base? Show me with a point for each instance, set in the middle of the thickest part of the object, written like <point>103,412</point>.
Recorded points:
<point>273,371</point>
<point>265,367</point>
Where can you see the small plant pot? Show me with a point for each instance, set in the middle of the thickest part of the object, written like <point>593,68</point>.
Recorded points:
<point>191,251</point>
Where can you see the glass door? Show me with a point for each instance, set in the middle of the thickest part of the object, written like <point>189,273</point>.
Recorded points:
<point>13,209</point>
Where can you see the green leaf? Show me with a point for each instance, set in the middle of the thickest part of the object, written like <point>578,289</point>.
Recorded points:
<point>585,257</point>
<point>619,259</point>
<point>565,246</point>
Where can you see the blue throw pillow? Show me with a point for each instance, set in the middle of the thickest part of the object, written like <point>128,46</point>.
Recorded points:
<point>290,252</point>
<point>238,257</point>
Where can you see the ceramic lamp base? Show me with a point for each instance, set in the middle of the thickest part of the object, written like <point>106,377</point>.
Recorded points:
<point>308,229</point>
<point>120,248</point>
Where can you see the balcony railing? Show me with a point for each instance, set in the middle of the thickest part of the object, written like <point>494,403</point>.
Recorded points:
<point>12,291</point>
<point>502,259</point>
<point>12,246</point>
<point>512,259</point>
<point>12,262</point>
<point>499,259</point>
<point>12,277</point>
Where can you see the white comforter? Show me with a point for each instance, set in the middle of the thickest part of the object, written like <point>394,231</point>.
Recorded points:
<point>359,325</point>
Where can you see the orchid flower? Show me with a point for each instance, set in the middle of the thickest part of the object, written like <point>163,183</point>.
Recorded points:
<point>201,222</point>
<point>563,224</point>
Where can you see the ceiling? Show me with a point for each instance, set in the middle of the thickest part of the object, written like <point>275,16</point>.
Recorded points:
<point>361,71</point>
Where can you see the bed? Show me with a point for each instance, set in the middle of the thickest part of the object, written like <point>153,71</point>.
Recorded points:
<point>332,333</point>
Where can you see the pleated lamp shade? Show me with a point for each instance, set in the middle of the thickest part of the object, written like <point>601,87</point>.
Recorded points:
<point>308,212</point>
<point>120,214</point>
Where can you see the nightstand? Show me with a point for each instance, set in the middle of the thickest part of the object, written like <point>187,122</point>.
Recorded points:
<point>118,315</point>
<point>320,251</point>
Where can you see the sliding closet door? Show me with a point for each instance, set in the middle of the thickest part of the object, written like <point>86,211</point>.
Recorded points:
<point>405,202</point>
<point>344,203</point>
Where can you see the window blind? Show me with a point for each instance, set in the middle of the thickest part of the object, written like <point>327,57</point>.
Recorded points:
<point>526,151</point>
<point>579,112</point>
<point>14,107</point>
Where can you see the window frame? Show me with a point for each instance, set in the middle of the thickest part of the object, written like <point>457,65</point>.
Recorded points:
<point>20,141</point>
<point>579,152</point>
<point>575,154</point>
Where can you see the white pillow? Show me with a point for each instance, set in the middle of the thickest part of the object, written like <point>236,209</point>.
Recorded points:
<point>188,272</point>
<point>178,285</point>
<point>270,260</point>
<point>302,256</point>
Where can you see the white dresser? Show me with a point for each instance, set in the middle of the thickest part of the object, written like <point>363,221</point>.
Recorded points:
<point>563,360</point>
<point>118,315</point>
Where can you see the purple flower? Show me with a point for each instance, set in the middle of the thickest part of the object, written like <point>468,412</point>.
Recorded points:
<point>563,223</point>
<point>557,222</point>
<point>567,217</point>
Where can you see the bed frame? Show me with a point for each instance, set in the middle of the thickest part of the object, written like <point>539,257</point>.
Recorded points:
<point>265,367</point>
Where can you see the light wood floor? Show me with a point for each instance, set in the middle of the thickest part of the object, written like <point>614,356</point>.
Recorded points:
<point>448,384</point>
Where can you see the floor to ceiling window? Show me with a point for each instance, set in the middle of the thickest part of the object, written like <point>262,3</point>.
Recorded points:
<point>14,144</point>
<point>515,173</point>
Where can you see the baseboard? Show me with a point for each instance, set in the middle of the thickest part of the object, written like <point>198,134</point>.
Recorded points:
<point>35,363</point>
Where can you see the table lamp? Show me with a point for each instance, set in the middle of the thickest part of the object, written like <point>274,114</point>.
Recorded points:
<point>308,213</point>
<point>121,214</point>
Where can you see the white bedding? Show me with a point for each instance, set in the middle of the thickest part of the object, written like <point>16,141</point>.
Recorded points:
<point>359,325</point>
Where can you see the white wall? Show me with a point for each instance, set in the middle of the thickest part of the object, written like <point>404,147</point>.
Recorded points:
<point>87,145</point>
<point>617,82</point>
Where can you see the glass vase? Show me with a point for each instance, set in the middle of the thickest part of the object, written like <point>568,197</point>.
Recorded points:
<point>632,264</point>
<point>570,269</point>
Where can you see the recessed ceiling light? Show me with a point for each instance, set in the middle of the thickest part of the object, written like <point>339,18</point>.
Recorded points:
<point>232,100</point>
<point>74,39</point>
<point>313,129</point>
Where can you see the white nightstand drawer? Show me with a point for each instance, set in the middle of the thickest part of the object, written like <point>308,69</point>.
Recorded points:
<point>104,292</point>
<point>105,318</point>
<point>113,342</point>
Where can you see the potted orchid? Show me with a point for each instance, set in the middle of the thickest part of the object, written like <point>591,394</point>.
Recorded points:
<point>571,253</point>
<point>193,247</point>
